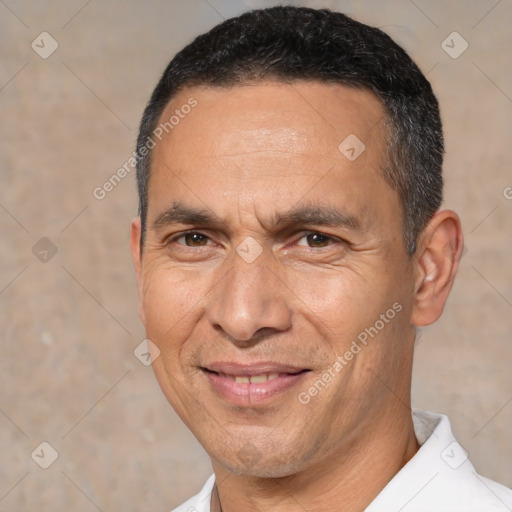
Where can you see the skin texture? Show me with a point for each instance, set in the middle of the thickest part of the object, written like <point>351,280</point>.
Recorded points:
<point>248,156</point>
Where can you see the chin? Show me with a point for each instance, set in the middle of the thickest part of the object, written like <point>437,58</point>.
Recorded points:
<point>252,461</point>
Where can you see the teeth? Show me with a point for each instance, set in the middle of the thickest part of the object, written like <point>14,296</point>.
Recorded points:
<point>254,379</point>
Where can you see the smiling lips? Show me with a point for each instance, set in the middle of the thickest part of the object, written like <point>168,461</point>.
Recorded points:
<point>250,384</point>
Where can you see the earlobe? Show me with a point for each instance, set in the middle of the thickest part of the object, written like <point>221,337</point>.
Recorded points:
<point>436,262</point>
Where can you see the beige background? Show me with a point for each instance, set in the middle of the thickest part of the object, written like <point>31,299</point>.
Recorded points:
<point>69,326</point>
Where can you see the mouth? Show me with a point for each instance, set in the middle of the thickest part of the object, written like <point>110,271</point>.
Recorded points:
<point>252,384</point>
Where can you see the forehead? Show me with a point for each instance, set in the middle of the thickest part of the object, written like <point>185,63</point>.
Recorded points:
<point>298,117</point>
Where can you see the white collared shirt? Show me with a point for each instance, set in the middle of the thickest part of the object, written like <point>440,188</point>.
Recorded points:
<point>439,478</point>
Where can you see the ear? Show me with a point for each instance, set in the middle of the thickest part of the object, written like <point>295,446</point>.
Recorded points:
<point>437,258</point>
<point>135,237</point>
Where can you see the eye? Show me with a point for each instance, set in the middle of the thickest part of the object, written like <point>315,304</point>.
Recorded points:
<point>192,239</point>
<point>316,240</point>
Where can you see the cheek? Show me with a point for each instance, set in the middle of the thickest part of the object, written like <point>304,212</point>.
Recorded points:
<point>340,299</point>
<point>170,305</point>
<point>346,305</point>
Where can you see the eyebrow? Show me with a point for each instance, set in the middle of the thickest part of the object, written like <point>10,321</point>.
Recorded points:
<point>308,214</point>
<point>179,213</point>
<point>323,215</point>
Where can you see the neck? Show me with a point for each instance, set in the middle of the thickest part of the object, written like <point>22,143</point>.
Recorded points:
<point>353,474</point>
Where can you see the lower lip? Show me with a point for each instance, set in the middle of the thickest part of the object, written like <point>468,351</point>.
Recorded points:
<point>249,394</point>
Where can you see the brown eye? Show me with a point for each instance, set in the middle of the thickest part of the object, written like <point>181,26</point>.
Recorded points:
<point>193,239</point>
<point>315,240</point>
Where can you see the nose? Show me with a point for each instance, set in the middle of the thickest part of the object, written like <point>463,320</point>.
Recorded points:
<point>250,303</point>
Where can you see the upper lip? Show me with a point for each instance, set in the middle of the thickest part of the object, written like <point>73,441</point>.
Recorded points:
<point>249,369</point>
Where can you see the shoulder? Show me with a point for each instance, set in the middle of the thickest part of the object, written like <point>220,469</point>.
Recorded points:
<point>502,494</point>
<point>440,477</point>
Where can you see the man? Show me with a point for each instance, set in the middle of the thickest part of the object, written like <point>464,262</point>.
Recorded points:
<point>289,243</point>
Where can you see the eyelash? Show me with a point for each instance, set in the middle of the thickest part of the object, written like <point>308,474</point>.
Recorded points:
<point>329,238</point>
<point>185,233</point>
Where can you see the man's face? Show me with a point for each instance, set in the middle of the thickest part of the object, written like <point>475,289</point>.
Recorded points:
<point>269,251</point>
